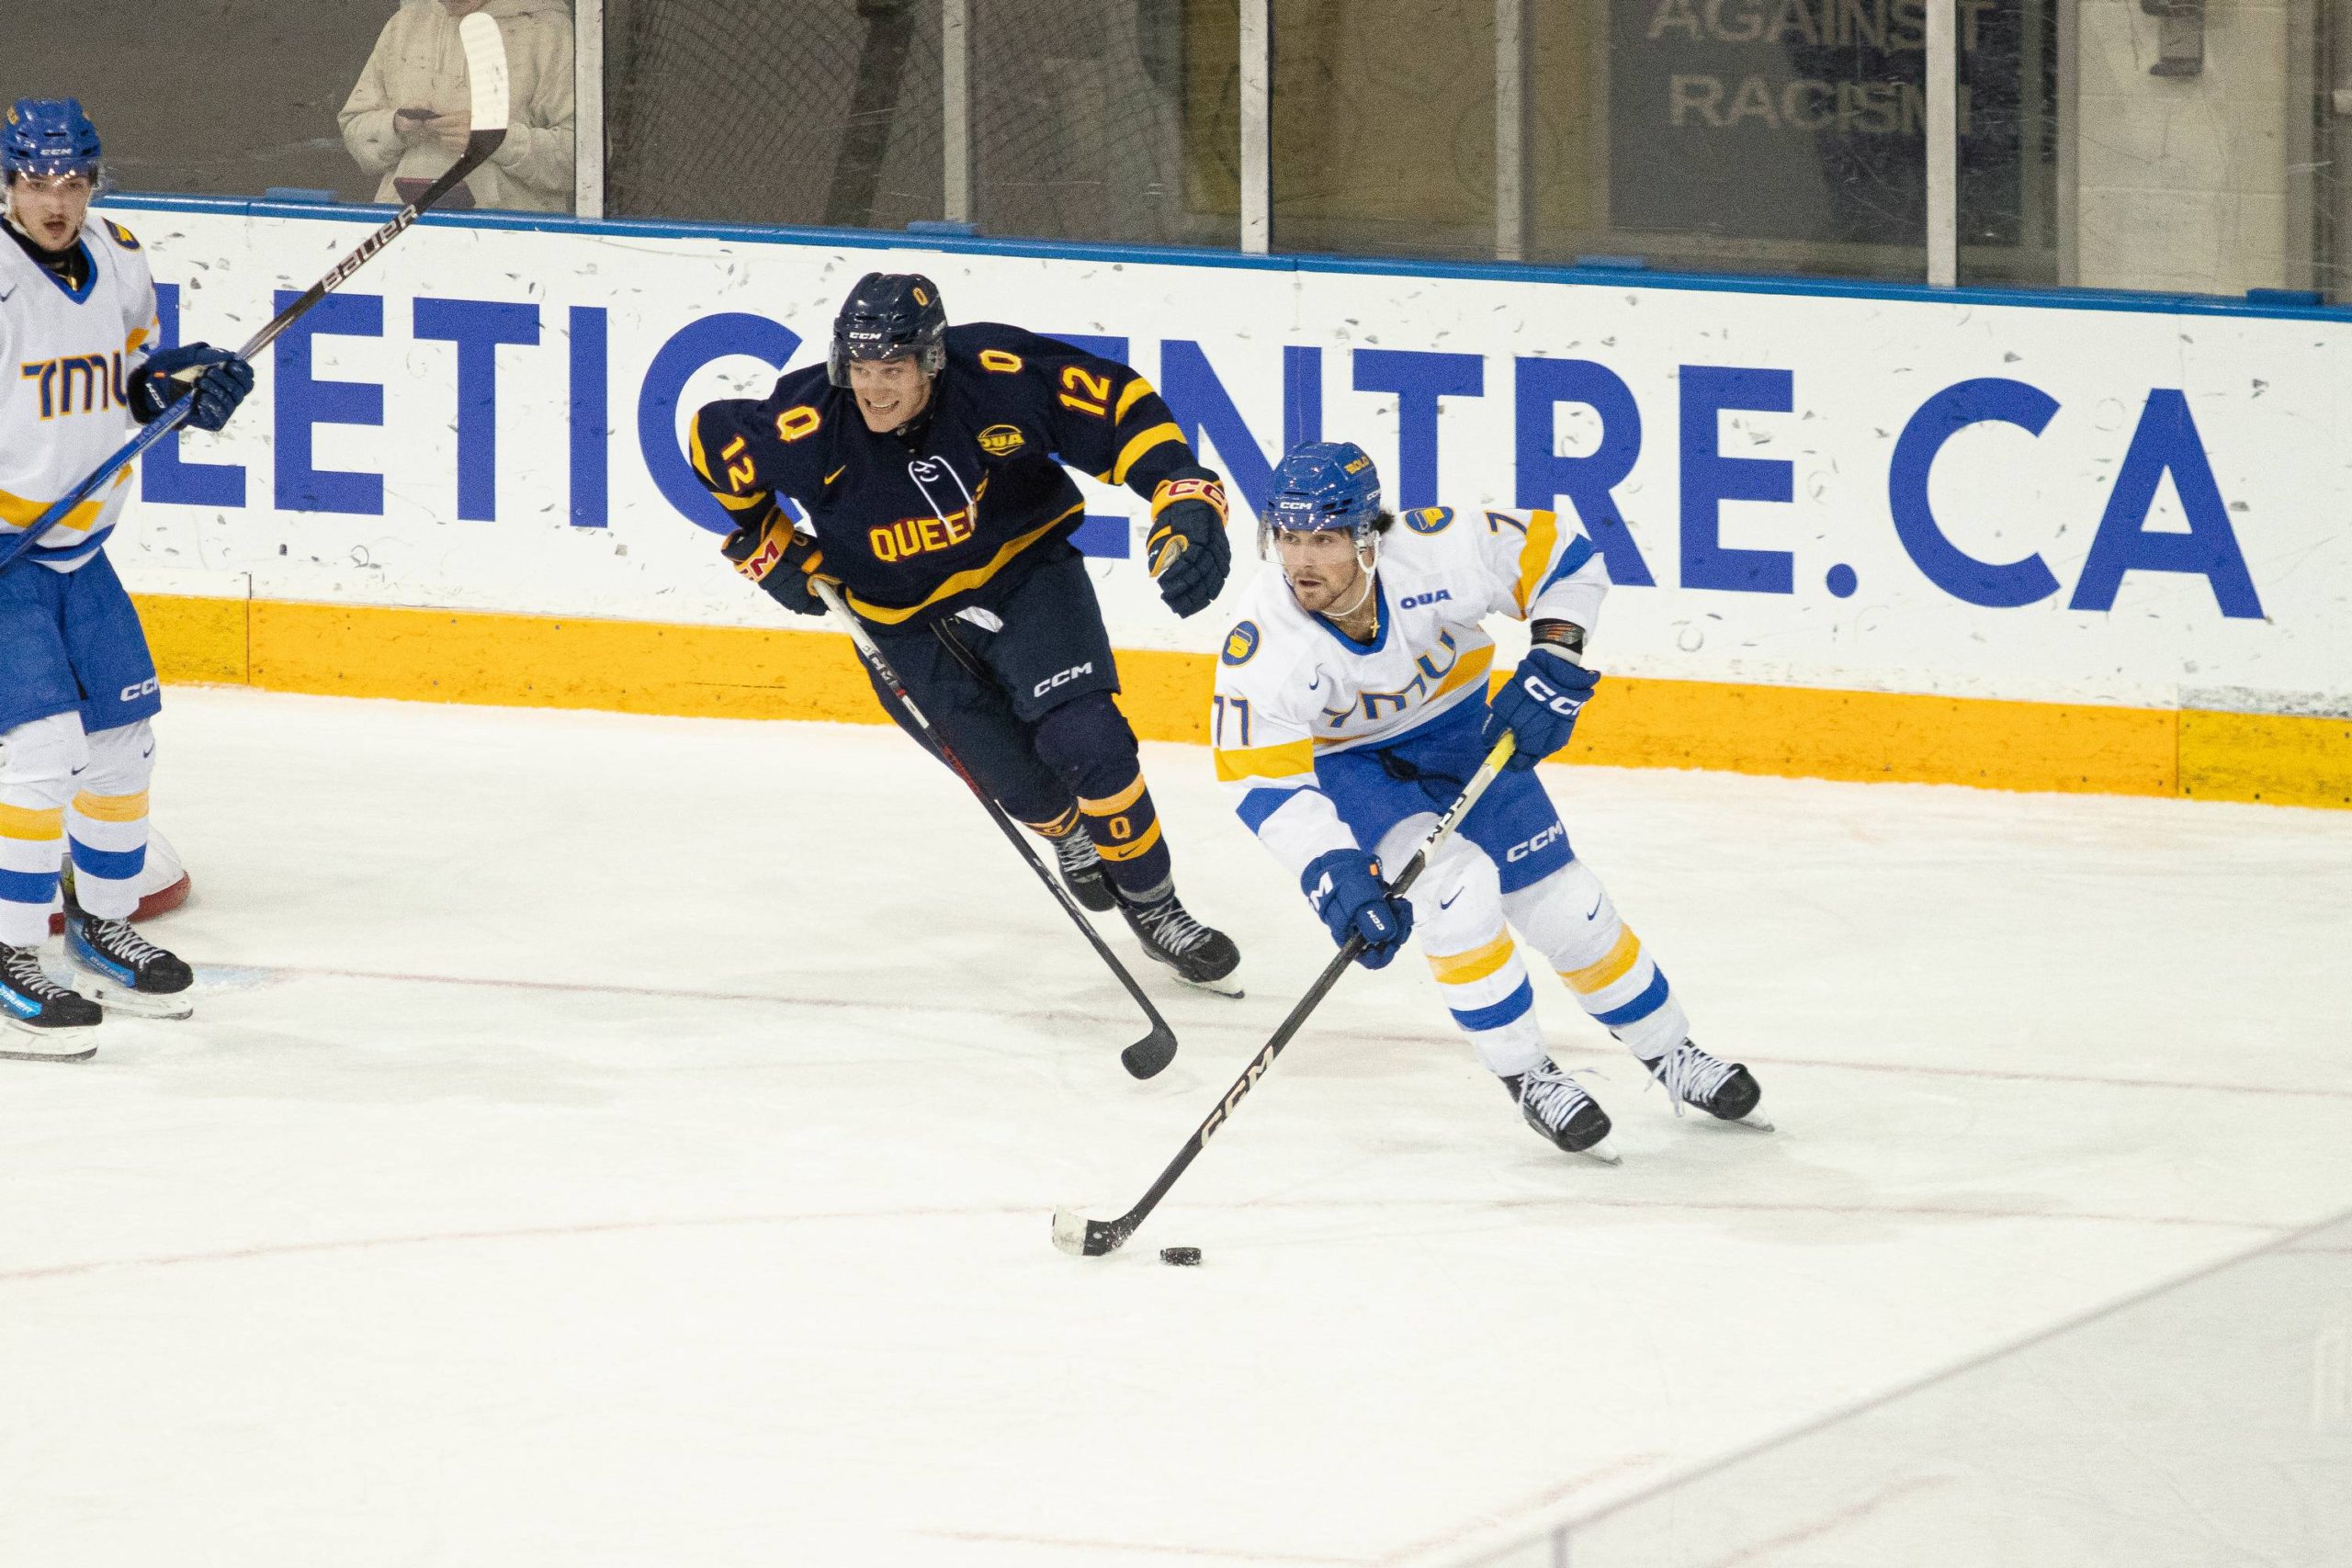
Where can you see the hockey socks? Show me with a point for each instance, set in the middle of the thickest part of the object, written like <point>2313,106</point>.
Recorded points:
<point>1124,827</point>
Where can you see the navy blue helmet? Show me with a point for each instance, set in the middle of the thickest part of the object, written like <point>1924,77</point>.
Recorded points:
<point>49,136</point>
<point>1323,485</point>
<point>888,314</point>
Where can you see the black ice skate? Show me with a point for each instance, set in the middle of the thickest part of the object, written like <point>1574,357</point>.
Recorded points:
<point>1724,1091</point>
<point>58,1022</point>
<point>1082,871</point>
<point>118,966</point>
<point>1201,956</point>
<point>1557,1105</point>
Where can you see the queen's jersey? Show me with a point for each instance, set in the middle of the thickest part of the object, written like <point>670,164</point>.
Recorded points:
<point>1290,685</point>
<point>65,366</point>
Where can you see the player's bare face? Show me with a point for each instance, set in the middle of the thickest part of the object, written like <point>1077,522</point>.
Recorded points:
<point>888,392</point>
<point>1322,567</point>
<point>50,207</point>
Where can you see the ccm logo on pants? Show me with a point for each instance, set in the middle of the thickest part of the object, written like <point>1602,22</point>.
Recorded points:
<point>1520,851</point>
<point>145,688</point>
<point>1062,679</point>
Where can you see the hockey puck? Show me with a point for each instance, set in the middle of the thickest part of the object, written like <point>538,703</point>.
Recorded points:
<point>1181,1257</point>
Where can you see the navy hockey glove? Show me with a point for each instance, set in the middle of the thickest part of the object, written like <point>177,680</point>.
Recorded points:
<point>1345,888</point>
<point>780,560</point>
<point>1186,548</point>
<point>1539,705</point>
<point>221,386</point>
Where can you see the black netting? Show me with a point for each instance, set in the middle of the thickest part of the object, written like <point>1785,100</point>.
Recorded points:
<point>829,112</point>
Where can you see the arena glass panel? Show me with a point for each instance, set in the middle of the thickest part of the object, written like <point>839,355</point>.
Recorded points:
<point>1751,136</point>
<point>245,98</point>
<point>1110,121</point>
<point>798,112</point>
<point>1383,126</point>
<point>2207,1421</point>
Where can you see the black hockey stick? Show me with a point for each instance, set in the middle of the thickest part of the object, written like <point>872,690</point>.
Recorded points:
<point>486,73</point>
<point>1082,1237</point>
<point>1155,1050</point>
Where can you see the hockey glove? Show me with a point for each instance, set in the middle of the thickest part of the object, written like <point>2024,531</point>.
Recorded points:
<point>1538,706</point>
<point>220,380</point>
<point>1186,548</point>
<point>1345,888</point>
<point>781,561</point>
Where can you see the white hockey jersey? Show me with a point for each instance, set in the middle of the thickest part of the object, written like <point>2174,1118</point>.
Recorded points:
<point>65,366</point>
<point>1289,686</point>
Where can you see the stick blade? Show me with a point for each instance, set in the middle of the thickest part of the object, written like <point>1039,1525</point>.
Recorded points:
<point>485,71</point>
<point>1150,1054</point>
<point>1082,1237</point>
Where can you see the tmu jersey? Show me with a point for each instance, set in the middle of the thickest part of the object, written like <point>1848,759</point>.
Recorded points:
<point>1291,685</point>
<point>913,530</point>
<point>66,360</point>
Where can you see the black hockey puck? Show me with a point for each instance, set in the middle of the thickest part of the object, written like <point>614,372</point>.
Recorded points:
<point>1183,1257</point>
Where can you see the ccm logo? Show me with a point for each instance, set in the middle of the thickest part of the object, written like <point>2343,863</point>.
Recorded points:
<point>1413,600</point>
<point>145,688</point>
<point>1549,835</point>
<point>1063,678</point>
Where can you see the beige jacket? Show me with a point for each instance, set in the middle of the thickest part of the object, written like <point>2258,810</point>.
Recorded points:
<point>418,64</point>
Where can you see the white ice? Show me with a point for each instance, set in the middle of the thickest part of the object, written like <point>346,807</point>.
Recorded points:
<point>627,1140</point>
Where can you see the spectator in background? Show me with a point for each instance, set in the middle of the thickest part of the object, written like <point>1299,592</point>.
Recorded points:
<point>407,118</point>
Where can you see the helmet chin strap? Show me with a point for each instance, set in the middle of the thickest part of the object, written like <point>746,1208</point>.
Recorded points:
<point>1367,564</point>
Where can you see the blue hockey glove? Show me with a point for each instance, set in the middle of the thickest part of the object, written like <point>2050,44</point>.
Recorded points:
<point>780,560</point>
<point>1539,705</point>
<point>1186,548</point>
<point>1345,888</point>
<point>224,381</point>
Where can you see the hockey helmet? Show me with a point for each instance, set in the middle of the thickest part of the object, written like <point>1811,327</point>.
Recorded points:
<point>888,314</point>
<point>49,136</point>
<point>1323,485</point>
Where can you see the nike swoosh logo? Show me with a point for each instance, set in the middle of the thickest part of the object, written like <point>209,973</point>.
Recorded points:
<point>1448,903</point>
<point>1594,910</point>
<point>77,772</point>
<point>1315,684</point>
<point>10,295</point>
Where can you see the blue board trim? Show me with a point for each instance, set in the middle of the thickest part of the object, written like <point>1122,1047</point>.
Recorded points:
<point>1616,278</point>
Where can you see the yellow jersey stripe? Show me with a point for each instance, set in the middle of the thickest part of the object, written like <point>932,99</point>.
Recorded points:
<point>1159,435</point>
<point>34,825</point>
<point>1129,852</point>
<point>1111,804</point>
<point>740,503</point>
<point>693,448</point>
<point>111,808</point>
<point>1137,390</point>
<point>1613,967</point>
<point>1461,968</point>
<point>963,582</point>
<point>23,511</point>
<point>1542,533</point>
<point>1471,666</point>
<point>138,335</point>
<point>1289,760</point>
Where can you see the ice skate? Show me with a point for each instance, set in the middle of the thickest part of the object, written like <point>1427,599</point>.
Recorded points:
<point>1082,871</point>
<point>49,1022</point>
<point>1201,956</point>
<point>1724,1091</point>
<point>1557,1105</point>
<point>115,965</point>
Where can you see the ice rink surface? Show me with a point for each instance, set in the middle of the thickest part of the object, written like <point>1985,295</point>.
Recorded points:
<point>630,1141</point>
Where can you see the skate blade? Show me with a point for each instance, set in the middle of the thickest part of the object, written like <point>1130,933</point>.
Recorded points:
<point>1228,987</point>
<point>134,1004</point>
<point>1600,1153</point>
<point>56,1044</point>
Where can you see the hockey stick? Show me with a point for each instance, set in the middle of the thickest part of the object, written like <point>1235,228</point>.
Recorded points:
<point>1082,1237</point>
<point>486,73</point>
<point>1155,1050</point>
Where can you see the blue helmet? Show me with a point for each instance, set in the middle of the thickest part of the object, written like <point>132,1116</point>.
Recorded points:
<point>1323,484</point>
<point>49,136</point>
<point>888,314</point>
